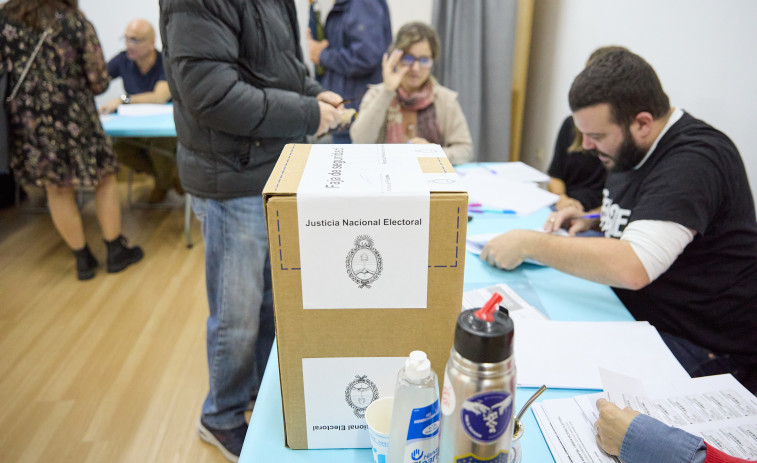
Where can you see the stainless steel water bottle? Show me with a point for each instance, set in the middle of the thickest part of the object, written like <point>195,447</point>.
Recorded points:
<point>478,395</point>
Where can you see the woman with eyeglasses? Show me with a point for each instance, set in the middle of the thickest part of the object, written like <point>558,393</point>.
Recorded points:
<point>56,140</point>
<point>410,106</point>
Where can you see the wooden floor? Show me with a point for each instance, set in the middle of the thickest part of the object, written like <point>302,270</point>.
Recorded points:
<point>107,370</point>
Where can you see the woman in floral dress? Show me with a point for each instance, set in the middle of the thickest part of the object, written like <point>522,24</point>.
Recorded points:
<point>57,142</point>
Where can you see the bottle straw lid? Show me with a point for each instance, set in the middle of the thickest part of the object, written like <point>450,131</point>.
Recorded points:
<point>482,341</point>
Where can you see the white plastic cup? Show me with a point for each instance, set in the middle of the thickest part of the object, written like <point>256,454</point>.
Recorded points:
<point>378,417</point>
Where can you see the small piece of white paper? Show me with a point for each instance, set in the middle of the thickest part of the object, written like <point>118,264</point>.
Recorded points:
<point>516,306</point>
<point>337,392</point>
<point>519,171</point>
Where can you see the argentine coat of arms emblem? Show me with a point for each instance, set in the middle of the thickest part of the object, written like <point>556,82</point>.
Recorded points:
<point>364,263</point>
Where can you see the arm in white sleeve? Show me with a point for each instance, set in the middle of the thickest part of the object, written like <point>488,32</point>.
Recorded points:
<point>657,243</point>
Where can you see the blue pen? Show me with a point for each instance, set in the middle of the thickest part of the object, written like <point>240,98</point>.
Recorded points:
<point>590,216</point>
<point>483,166</point>
<point>479,210</point>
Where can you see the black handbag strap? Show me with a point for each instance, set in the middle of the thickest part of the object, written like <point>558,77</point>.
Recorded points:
<point>26,68</point>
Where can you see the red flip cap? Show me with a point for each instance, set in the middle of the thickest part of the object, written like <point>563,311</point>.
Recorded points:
<point>486,313</point>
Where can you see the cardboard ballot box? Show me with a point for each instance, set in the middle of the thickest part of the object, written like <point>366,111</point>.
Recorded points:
<point>367,248</point>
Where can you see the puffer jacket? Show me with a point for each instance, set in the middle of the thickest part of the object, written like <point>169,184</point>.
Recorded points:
<point>240,89</point>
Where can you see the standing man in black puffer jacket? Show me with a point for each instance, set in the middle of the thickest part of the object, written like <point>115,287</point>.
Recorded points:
<point>241,92</point>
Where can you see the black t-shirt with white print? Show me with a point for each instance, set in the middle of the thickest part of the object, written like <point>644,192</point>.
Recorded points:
<point>695,177</point>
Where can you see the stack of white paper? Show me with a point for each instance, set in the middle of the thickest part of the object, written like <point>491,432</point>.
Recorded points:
<point>144,109</point>
<point>509,186</point>
<point>569,354</point>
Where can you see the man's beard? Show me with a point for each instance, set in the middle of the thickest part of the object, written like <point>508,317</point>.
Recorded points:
<point>629,155</point>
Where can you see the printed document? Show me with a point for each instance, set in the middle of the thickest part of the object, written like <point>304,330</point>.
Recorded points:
<point>717,408</point>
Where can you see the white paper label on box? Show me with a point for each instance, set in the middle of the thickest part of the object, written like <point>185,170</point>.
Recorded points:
<point>337,392</point>
<point>363,218</point>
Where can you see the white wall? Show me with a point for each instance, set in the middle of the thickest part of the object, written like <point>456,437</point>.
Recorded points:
<point>702,50</point>
<point>110,18</point>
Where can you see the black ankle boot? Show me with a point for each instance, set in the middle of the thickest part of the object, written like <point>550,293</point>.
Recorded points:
<point>85,263</point>
<point>120,256</point>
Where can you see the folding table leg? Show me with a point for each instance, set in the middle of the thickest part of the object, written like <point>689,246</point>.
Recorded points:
<point>187,217</point>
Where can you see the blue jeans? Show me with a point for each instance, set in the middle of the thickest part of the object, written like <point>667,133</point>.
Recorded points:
<point>240,326</point>
<point>700,361</point>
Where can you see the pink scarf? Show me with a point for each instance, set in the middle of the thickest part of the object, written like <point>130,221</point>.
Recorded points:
<point>422,102</point>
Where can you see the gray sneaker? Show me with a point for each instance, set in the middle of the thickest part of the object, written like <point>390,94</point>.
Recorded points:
<point>228,441</point>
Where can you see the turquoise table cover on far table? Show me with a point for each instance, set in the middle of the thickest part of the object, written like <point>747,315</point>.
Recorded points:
<point>159,125</point>
<point>561,296</point>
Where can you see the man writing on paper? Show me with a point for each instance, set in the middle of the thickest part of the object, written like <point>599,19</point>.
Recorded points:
<point>680,244</point>
<point>140,67</point>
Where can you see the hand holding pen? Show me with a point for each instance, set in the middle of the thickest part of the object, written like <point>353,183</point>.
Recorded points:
<point>572,218</point>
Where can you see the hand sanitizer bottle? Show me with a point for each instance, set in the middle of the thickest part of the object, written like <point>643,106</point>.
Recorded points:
<point>414,433</point>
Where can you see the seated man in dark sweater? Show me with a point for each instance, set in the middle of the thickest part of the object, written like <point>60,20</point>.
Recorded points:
<point>140,67</point>
<point>680,234</point>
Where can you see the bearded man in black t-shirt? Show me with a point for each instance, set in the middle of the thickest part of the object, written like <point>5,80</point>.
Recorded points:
<point>680,245</point>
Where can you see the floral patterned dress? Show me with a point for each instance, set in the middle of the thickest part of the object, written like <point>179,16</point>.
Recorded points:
<point>55,130</point>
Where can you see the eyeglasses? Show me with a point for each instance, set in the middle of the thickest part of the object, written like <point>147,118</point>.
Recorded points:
<point>133,40</point>
<point>424,61</point>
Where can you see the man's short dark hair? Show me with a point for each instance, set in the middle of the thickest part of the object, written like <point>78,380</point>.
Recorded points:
<point>623,80</point>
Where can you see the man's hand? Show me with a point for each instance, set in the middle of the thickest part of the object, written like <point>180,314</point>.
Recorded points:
<point>418,141</point>
<point>612,425</point>
<point>329,118</point>
<point>315,47</point>
<point>568,218</point>
<point>110,106</point>
<point>392,72</point>
<point>506,251</point>
<point>334,99</point>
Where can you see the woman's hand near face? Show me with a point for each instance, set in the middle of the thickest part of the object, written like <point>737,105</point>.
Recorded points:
<point>392,71</point>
